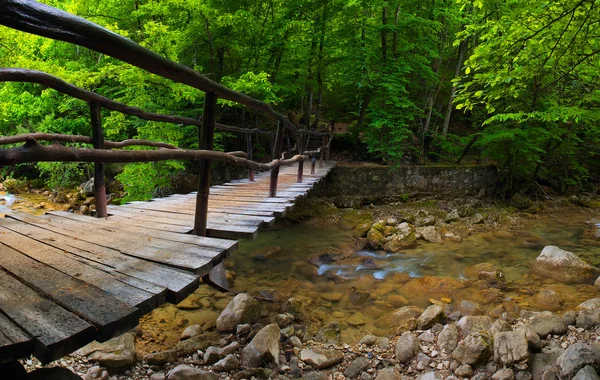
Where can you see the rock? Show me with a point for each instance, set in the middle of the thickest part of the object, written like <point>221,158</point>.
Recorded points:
<point>407,347</point>
<point>548,299</point>
<point>434,285</point>
<point>431,315</point>
<point>199,342</point>
<point>294,307</point>
<point>321,358</point>
<point>213,354</point>
<point>587,373</point>
<point>314,375</point>
<point>563,266</point>
<point>504,374</point>
<point>158,358</point>
<point>569,318</point>
<point>403,237</point>
<point>158,376</point>
<point>115,353</point>
<point>229,363</point>
<point>533,339</point>
<point>464,370</point>
<point>430,234</point>
<point>590,304</point>
<point>191,331</point>
<point>186,372</point>
<point>473,349</point>
<point>429,376</point>
<point>332,296</point>
<point>348,201</point>
<point>547,323</point>
<point>577,357</point>
<point>295,370</point>
<point>283,320</point>
<point>510,347</point>
<point>520,201</point>
<point>253,373</point>
<point>466,210</point>
<point>267,253</point>
<point>389,373</point>
<point>477,219</point>
<point>588,319</point>
<point>357,366</point>
<point>368,340</point>
<point>448,338</point>
<point>500,325</point>
<point>264,347</point>
<point>241,309</point>
<point>96,373</point>
<point>467,307</point>
<point>375,238</point>
<point>470,324</point>
<point>329,334</point>
<point>452,216</point>
<point>405,318</point>
<point>490,274</point>
<point>356,320</point>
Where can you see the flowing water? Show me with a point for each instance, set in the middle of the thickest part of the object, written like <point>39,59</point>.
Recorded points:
<point>31,203</point>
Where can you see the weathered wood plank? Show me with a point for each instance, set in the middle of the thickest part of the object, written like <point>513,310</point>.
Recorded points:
<point>58,332</point>
<point>14,342</point>
<point>54,258</point>
<point>179,283</point>
<point>110,316</point>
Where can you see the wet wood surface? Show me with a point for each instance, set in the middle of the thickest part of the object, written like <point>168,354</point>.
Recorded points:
<point>68,279</point>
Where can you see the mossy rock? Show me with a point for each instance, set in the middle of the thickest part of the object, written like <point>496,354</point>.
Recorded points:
<point>310,208</point>
<point>362,229</point>
<point>352,218</point>
<point>16,186</point>
<point>520,202</point>
<point>375,238</point>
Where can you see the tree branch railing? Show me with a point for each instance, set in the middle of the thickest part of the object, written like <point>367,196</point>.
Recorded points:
<point>33,17</point>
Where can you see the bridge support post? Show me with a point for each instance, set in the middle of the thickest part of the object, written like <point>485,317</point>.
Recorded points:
<point>249,150</point>
<point>205,142</point>
<point>277,155</point>
<point>98,142</point>
<point>322,152</point>
<point>300,171</point>
<point>313,164</point>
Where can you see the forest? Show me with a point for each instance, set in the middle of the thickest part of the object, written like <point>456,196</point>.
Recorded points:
<point>510,83</point>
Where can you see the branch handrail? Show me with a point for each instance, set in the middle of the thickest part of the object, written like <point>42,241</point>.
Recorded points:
<point>46,21</point>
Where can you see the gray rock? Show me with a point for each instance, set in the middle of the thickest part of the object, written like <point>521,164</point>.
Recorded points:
<point>470,324</point>
<point>115,353</point>
<point>464,370</point>
<point>427,336</point>
<point>384,343</point>
<point>263,348</point>
<point>242,309</point>
<point>570,318</point>
<point>158,358</point>
<point>563,266</point>
<point>314,375</point>
<point>467,307</point>
<point>500,325</point>
<point>357,366</point>
<point>588,319</point>
<point>504,374</point>
<point>540,363</point>
<point>229,363</point>
<point>295,342</point>
<point>452,216</point>
<point>191,331</point>
<point>590,304</point>
<point>389,373</point>
<point>547,323</point>
<point>186,372</point>
<point>429,376</point>
<point>576,357</point>
<point>366,376</point>
<point>448,338</point>
<point>523,375</point>
<point>330,334</point>
<point>368,340</point>
<point>321,358</point>
<point>295,370</point>
<point>533,340</point>
<point>510,347</point>
<point>430,234</point>
<point>213,354</point>
<point>158,376</point>
<point>407,347</point>
<point>587,373</point>
<point>431,315</point>
<point>96,373</point>
<point>474,349</point>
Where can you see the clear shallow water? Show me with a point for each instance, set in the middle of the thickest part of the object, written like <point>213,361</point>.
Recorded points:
<point>27,203</point>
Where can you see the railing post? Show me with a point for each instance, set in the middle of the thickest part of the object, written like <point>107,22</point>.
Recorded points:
<point>205,142</point>
<point>249,149</point>
<point>277,156</point>
<point>300,171</point>
<point>313,163</point>
<point>98,142</point>
<point>322,156</point>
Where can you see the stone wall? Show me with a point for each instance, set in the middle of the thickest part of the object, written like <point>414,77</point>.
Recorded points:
<point>385,181</point>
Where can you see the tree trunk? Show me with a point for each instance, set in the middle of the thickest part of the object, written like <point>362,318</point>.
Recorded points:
<point>395,35</point>
<point>461,54</point>
<point>320,67</point>
<point>384,31</point>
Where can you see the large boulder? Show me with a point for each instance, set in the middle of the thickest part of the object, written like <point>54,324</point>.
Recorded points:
<point>474,349</point>
<point>241,309</point>
<point>471,324</point>
<point>547,323</point>
<point>577,357</point>
<point>403,237</point>
<point>563,266</point>
<point>264,347</point>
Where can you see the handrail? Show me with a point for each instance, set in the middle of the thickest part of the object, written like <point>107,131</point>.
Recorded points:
<point>44,20</point>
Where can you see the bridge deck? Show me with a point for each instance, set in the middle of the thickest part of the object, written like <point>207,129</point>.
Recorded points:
<point>68,279</point>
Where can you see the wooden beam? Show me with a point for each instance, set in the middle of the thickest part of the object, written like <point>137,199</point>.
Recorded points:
<point>98,141</point>
<point>205,142</point>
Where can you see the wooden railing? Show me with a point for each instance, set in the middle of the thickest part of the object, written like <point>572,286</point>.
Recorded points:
<point>33,17</point>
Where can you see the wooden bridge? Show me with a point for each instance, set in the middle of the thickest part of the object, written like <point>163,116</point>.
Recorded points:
<point>68,279</point>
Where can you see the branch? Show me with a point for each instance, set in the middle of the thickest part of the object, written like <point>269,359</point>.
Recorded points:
<point>80,139</point>
<point>36,18</point>
<point>33,151</point>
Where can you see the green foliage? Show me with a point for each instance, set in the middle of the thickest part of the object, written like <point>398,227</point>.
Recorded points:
<point>143,181</point>
<point>63,175</point>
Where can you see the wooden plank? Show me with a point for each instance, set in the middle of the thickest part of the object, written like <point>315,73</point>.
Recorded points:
<point>14,342</point>
<point>179,283</point>
<point>56,259</point>
<point>58,332</point>
<point>182,256</point>
<point>110,316</point>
